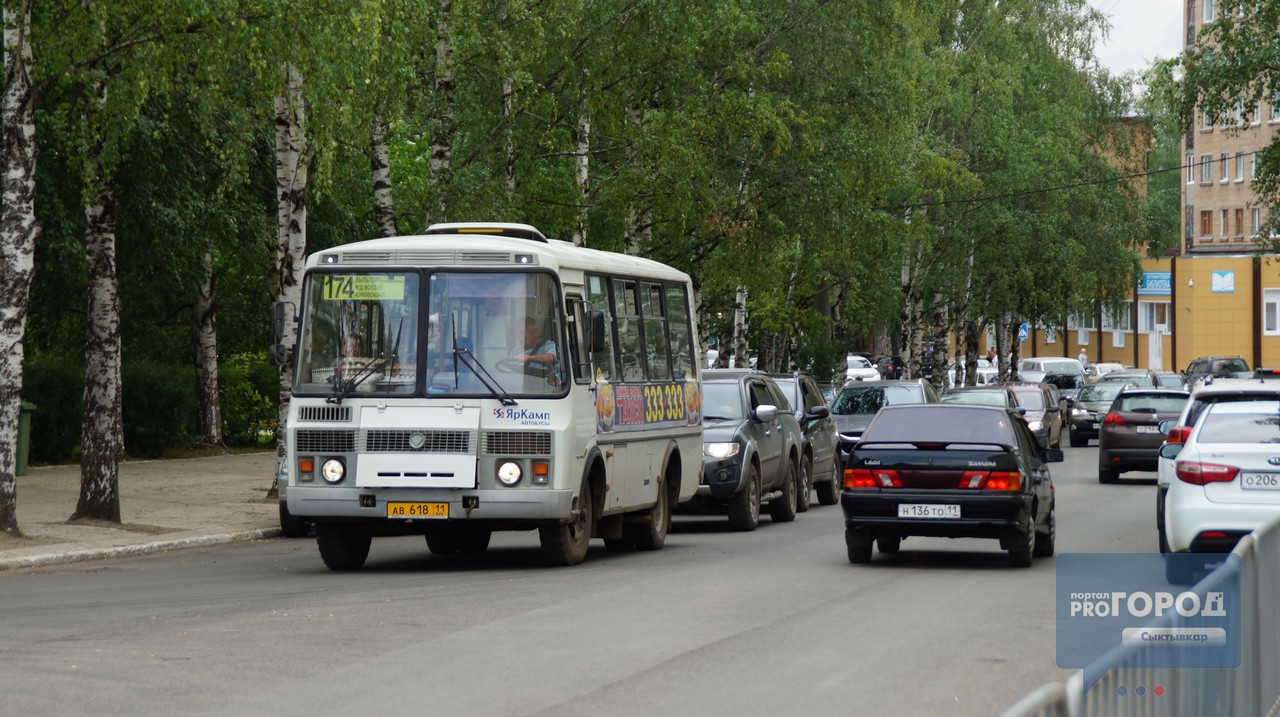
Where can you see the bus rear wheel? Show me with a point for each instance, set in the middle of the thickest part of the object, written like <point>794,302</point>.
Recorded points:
<point>566,544</point>
<point>652,533</point>
<point>343,546</point>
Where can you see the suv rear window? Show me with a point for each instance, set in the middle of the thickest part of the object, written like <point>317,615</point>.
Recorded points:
<point>869,399</point>
<point>952,424</point>
<point>1151,403</point>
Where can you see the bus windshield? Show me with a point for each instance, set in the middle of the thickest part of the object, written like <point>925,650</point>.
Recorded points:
<point>376,333</point>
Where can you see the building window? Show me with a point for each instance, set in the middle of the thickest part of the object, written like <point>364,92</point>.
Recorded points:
<point>1271,312</point>
<point>1206,168</point>
<point>1206,122</point>
<point>1225,216</point>
<point>1081,321</point>
<point>1240,223</point>
<point>1275,107</point>
<point>1239,111</point>
<point>1191,167</point>
<point>1226,167</point>
<point>1050,335</point>
<point>1208,11</point>
<point>1118,320</point>
<point>1255,220</point>
<point>1206,224</point>
<point>1253,165</point>
<point>1153,316</point>
<point>1239,166</point>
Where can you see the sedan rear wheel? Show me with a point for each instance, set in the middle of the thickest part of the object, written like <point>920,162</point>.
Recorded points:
<point>888,544</point>
<point>859,546</point>
<point>1107,475</point>
<point>1046,538</point>
<point>1021,555</point>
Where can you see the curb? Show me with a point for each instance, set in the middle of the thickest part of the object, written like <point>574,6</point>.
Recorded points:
<point>74,556</point>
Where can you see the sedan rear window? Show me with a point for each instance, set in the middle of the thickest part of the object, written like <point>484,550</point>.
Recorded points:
<point>983,398</point>
<point>1030,400</point>
<point>869,399</point>
<point>950,424</point>
<point>1240,428</point>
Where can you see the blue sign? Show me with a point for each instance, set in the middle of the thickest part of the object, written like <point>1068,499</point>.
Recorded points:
<point>1155,283</point>
<point>1022,331</point>
<point>1222,282</point>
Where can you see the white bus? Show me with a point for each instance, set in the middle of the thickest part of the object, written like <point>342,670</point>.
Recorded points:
<point>482,377</point>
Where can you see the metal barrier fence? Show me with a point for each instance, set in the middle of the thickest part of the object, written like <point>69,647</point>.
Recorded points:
<point>1251,690</point>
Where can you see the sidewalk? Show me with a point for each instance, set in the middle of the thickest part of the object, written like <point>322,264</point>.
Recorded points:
<point>164,505</point>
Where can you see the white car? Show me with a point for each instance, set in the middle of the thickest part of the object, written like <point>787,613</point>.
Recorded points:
<point>1227,481</point>
<point>1203,395</point>
<point>858,368</point>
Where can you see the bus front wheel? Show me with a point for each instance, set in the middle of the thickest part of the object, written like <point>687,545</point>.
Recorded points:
<point>342,546</point>
<point>566,544</point>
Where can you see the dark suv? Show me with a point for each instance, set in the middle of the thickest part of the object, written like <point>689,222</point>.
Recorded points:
<point>751,448</point>
<point>820,467</point>
<point>1218,367</point>
<point>858,402</point>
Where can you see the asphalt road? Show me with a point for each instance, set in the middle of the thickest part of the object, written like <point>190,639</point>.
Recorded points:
<point>773,622</point>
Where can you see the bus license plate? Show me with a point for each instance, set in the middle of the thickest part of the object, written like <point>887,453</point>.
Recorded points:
<point>418,511</point>
<point>924,510</point>
<point>1260,481</point>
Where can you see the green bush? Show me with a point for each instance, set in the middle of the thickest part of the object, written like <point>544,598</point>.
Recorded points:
<point>250,387</point>
<point>159,407</point>
<point>55,384</point>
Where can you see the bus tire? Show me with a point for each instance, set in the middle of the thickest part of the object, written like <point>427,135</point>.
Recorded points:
<point>291,525</point>
<point>342,546</point>
<point>566,543</point>
<point>783,508</point>
<point>472,540</point>
<point>652,533</point>
<point>744,508</point>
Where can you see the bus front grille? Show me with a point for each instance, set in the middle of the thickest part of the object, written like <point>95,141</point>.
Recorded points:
<point>316,441</point>
<point>402,441</point>
<point>324,413</point>
<point>518,443</point>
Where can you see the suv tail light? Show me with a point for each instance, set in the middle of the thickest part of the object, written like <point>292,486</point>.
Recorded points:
<point>1178,434</point>
<point>991,480</point>
<point>868,478</point>
<point>1113,419</point>
<point>1197,473</point>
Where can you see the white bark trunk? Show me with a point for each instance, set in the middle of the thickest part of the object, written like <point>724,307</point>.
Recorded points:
<point>18,232</point>
<point>204,329</point>
<point>289,251</point>
<point>441,164</point>
<point>741,348</point>
<point>384,209</point>
<point>508,143</point>
<point>582,178</point>
<point>101,428</point>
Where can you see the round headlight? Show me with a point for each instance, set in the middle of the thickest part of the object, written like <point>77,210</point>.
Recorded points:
<point>509,473</point>
<point>333,470</point>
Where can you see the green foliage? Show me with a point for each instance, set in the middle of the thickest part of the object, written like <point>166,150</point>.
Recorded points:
<point>249,387</point>
<point>55,384</point>
<point>159,404</point>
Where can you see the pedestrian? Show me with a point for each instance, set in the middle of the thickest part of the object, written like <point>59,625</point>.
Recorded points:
<point>1084,358</point>
<point>993,359</point>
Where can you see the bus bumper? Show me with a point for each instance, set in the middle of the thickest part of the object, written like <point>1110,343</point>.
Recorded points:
<point>322,502</point>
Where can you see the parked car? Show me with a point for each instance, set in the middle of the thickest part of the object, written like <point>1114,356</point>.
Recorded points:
<point>1130,436</point>
<point>1094,371</point>
<point>751,448</point>
<point>1203,395</point>
<point>1216,366</point>
<point>958,471</point>
<point>1088,409</point>
<point>1228,483</point>
<point>1049,364</point>
<point>982,396</point>
<point>1044,414</point>
<point>1068,383</point>
<point>820,466</point>
<point>1139,377</point>
<point>858,403</point>
<point>1170,379</point>
<point>985,372</point>
<point>859,368</point>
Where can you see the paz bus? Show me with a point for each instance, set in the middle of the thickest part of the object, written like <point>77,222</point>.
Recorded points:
<point>483,377</point>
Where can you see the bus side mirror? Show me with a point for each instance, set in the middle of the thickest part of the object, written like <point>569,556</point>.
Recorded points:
<point>280,320</point>
<point>598,335</point>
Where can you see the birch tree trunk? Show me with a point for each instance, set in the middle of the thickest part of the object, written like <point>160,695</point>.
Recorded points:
<point>971,330</point>
<point>508,139</point>
<point>582,179</point>
<point>1015,345</point>
<point>910,317</point>
<point>741,347</point>
<point>1000,326</point>
<point>384,210</point>
<point>289,252</point>
<point>446,86</point>
<point>101,428</point>
<point>19,229</point>
<point>204,331</point>
<point>940,378</point>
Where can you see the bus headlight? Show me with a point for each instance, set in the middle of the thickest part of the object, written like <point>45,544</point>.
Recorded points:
<point>509,473</point>
<point>333,470</point>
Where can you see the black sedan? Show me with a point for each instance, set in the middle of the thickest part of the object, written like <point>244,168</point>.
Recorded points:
<point>953,471</point>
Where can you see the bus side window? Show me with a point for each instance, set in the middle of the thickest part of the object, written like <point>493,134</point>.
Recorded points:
<point>657,349</point>
<point>628,320</point>
<point>579,357</point>
<point>678,330</point>
<point>598,296</point>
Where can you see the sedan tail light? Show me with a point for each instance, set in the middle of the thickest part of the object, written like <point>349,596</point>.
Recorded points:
<point>1197,473</point>
<point>991,480</point>
<point>869,478</point>
<point>1113,419</point>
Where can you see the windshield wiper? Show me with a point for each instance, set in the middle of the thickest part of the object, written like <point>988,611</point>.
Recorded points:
<point>471,362</point>
<point>345,388</point>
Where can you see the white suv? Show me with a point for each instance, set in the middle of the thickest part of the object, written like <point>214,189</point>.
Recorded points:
<point>1204,394</point>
